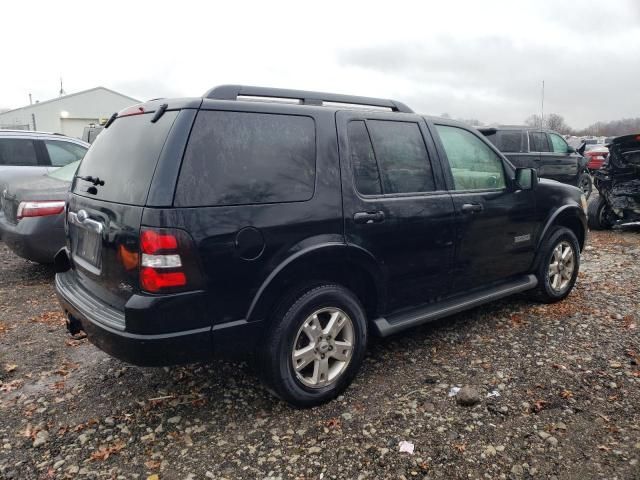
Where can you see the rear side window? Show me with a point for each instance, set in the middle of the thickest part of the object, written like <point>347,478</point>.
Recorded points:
<point>238,158</point>
<point>538,142</point>
<point>124,156</point>
<point>18,152</point>
<point>402,157</point>
<point>509,140</point>
<point>63,153</point>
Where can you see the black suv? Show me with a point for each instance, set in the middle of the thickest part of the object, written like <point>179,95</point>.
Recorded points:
<point>288,226</point>
<point>544,150</point>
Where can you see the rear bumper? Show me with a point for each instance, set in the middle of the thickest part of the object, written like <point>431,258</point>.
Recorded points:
<point>106,328</point>
<point>37,239</point>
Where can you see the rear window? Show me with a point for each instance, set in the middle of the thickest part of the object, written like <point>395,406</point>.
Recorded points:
<point>125,156</point>
<point>239,158</point>
<point>63,153</point>
<point>17,152</point>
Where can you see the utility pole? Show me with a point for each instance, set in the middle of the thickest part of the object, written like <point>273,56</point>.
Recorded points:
<point>62,92</point>
<point>542,107</point>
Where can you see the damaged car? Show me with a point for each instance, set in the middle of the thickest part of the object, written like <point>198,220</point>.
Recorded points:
<point>618,182</point>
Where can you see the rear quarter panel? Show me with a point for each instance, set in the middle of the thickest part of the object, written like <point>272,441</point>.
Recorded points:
<point>232,281</point>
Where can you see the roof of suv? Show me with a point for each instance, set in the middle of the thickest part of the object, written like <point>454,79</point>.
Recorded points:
<point>495,128</point>
<point>301,97</point>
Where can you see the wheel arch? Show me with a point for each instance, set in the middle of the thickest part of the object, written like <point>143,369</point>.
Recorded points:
<point>339,263</point>
<point>571,217</point>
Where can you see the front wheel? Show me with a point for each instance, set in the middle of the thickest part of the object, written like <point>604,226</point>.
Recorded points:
<point>558,268</point>
<point>314,346</point>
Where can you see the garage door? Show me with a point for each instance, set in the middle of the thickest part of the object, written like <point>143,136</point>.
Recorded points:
<point>74,127</point>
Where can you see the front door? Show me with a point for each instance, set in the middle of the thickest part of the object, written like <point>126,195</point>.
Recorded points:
<point>495,222</point>
<point>396,206</point>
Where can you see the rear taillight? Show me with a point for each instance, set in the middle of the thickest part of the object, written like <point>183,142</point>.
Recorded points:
<point>167,261</point>
<point>39,209</point>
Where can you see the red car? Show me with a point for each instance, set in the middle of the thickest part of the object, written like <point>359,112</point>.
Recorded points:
<point>597,155</point>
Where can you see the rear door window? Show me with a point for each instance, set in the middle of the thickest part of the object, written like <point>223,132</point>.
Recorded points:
<point>402,157</point>
<point>63,153</point>
<point>124,156</point>
<point>538,142</point>
<point>240,158</point>
<point>363,160</point>
<point>18,152</point>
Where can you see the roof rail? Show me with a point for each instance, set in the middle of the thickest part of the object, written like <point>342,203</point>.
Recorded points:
<point>232,92</point>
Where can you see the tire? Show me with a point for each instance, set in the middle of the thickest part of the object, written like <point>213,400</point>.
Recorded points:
<point>293,325</point>
<point>585,184</point>
<point>548,291</point>
<point>597,214</point>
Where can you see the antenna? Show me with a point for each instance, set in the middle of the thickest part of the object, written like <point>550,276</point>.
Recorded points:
<point>542,107</point>
<point>62,92</point>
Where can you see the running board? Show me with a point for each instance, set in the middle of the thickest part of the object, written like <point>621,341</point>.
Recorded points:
<point>401,321</point>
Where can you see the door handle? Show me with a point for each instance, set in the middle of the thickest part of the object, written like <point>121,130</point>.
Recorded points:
<point>472,207</point>
<point>368,217</point>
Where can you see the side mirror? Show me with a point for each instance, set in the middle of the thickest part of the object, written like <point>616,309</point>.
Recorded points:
<point>581,148</point>
<point>526,178</point>
<point>570,149</point>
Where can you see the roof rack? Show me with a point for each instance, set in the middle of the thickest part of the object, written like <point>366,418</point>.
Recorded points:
<point>233,92</point>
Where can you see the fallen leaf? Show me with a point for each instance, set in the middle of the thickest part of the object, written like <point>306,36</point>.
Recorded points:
<point>333,423</point>
<point>566,394</point>
<point>10,367</point>
<point>152,465</point>
<point>539,405</point>
<point>104,452</point>
<point>53,319</point>
<point>153,477</point>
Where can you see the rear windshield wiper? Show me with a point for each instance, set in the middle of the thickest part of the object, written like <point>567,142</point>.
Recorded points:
<point>159,112</point>
<point>95,180</point>
<point>111,119</point>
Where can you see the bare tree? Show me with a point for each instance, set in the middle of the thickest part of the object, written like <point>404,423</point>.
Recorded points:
<point>556,123</point>
<point>534,121</point>
<point>614,128</point>
<point>553,121</point>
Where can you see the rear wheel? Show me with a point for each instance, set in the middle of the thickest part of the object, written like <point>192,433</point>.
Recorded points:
<point>599,215</point>
<point>585,184</point>
<point>315,346</point>
<point>559,265</point>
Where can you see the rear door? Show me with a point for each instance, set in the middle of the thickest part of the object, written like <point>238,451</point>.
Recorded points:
<point>495,224</point>
<point>395,203</point>
<point>546,162</point>
<point>105,210</point>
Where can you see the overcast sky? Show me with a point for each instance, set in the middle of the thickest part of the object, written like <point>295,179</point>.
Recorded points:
<point>471,59</point>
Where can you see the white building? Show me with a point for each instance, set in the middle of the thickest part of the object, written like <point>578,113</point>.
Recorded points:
<point>68,114</point>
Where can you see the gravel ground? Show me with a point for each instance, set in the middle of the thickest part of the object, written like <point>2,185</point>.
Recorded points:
<point>555,393</point>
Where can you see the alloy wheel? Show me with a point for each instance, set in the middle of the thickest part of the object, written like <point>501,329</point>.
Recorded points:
<point>561,266</point>
<point>323,347</point>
